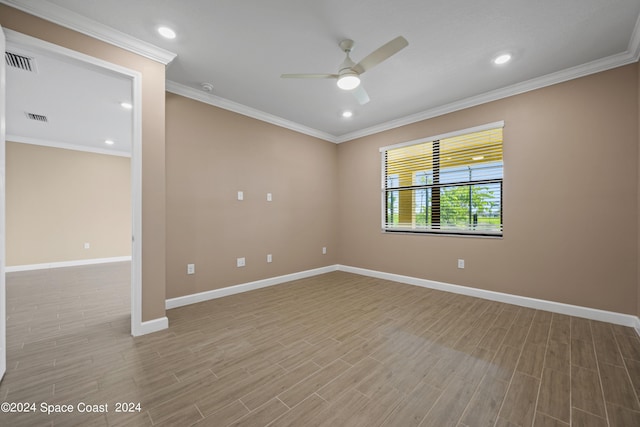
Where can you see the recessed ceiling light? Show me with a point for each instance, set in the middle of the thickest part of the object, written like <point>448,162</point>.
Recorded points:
<point>477,158</point>
<point>502,59</point>
<point>109,141</point>
<point>126,105</point>
<point>167,32</point>
<point>346,114</point>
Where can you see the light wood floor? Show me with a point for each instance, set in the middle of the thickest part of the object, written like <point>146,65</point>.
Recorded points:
<point>333,350</point>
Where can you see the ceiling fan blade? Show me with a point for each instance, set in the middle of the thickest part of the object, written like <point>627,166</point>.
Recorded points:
<point>361,95</point>
<point>309,76</point>
<point>380,54</point>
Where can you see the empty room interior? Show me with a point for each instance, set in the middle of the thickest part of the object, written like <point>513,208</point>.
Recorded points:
<point>312,213</point>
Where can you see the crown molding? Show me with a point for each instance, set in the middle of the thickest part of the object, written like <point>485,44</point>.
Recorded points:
<point>66,18</point>
<point>74,21</point>
<point>65,146</point>
<point>634,42</point>
<point>628,57</point>
<point>217,101</point>
<point>583,70</point>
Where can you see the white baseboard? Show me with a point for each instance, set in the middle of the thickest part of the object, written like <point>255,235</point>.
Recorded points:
<point>44,266</point>
<point>538,304</point>
<point>231,290</point>
<point>150,326</point>
<point>555,307</point>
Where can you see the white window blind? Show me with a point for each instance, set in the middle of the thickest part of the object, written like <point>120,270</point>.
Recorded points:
<point>450,184</point>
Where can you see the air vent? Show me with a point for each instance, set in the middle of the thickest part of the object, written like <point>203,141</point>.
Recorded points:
<point>20,61</point>
<point>37,117</point>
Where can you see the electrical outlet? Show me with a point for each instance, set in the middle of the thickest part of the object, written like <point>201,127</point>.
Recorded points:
<point>324,250</point>
<point>269,197</point>
<point>269,258</point>
<point>460,263</point>
<point>87,245</point>
<point>240,195</point>
<point>240,262</point>
<point>191,269</point>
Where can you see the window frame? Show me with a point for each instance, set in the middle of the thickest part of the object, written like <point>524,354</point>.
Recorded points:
<point>432,232</point>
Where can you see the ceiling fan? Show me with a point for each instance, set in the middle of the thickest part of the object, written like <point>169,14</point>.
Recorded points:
<point>348,75</point>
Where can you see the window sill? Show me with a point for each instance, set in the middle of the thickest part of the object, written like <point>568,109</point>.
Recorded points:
<point>443,234</point>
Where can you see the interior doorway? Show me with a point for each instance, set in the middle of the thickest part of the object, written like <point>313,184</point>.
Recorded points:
<point>20,42</point>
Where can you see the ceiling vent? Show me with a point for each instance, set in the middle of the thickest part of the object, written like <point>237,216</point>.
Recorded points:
<point>37,117</point>
<point>20,62</point>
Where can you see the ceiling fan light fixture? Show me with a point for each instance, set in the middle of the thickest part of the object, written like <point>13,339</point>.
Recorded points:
<point>348,81</point>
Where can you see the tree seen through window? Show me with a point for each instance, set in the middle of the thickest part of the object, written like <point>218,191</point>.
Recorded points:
<point>452,185</point>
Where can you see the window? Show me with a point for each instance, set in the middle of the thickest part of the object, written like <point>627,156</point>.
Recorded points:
<point>450,184</point>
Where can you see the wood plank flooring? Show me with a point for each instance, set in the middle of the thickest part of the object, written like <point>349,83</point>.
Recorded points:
<point>332,350</point>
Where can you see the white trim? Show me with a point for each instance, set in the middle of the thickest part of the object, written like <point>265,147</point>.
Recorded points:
<point>480,128</point>
<point>216,101</point>
<point>3,216</point>
<point>66,146</point>
<point>561,76</point>
<point>137,327</point>
<point>583,70</point>
<point>61,264</point>
<point>634,42</point>
<point>245,287</point>
<point>151,326</point>
<point>74,21</point>
<point>538,304</point>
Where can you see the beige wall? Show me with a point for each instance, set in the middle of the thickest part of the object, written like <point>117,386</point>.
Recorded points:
<point>153,141</point>
<point>570,198</point>
<point>211,155</point>
<point>57,200</point>
<point>571,193</point>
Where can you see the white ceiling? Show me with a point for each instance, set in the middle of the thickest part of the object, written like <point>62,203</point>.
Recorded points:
<point>81,103</point>
<point>242,47</point>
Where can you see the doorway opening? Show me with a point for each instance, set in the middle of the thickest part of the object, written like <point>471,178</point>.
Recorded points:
<point>102,267</point>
